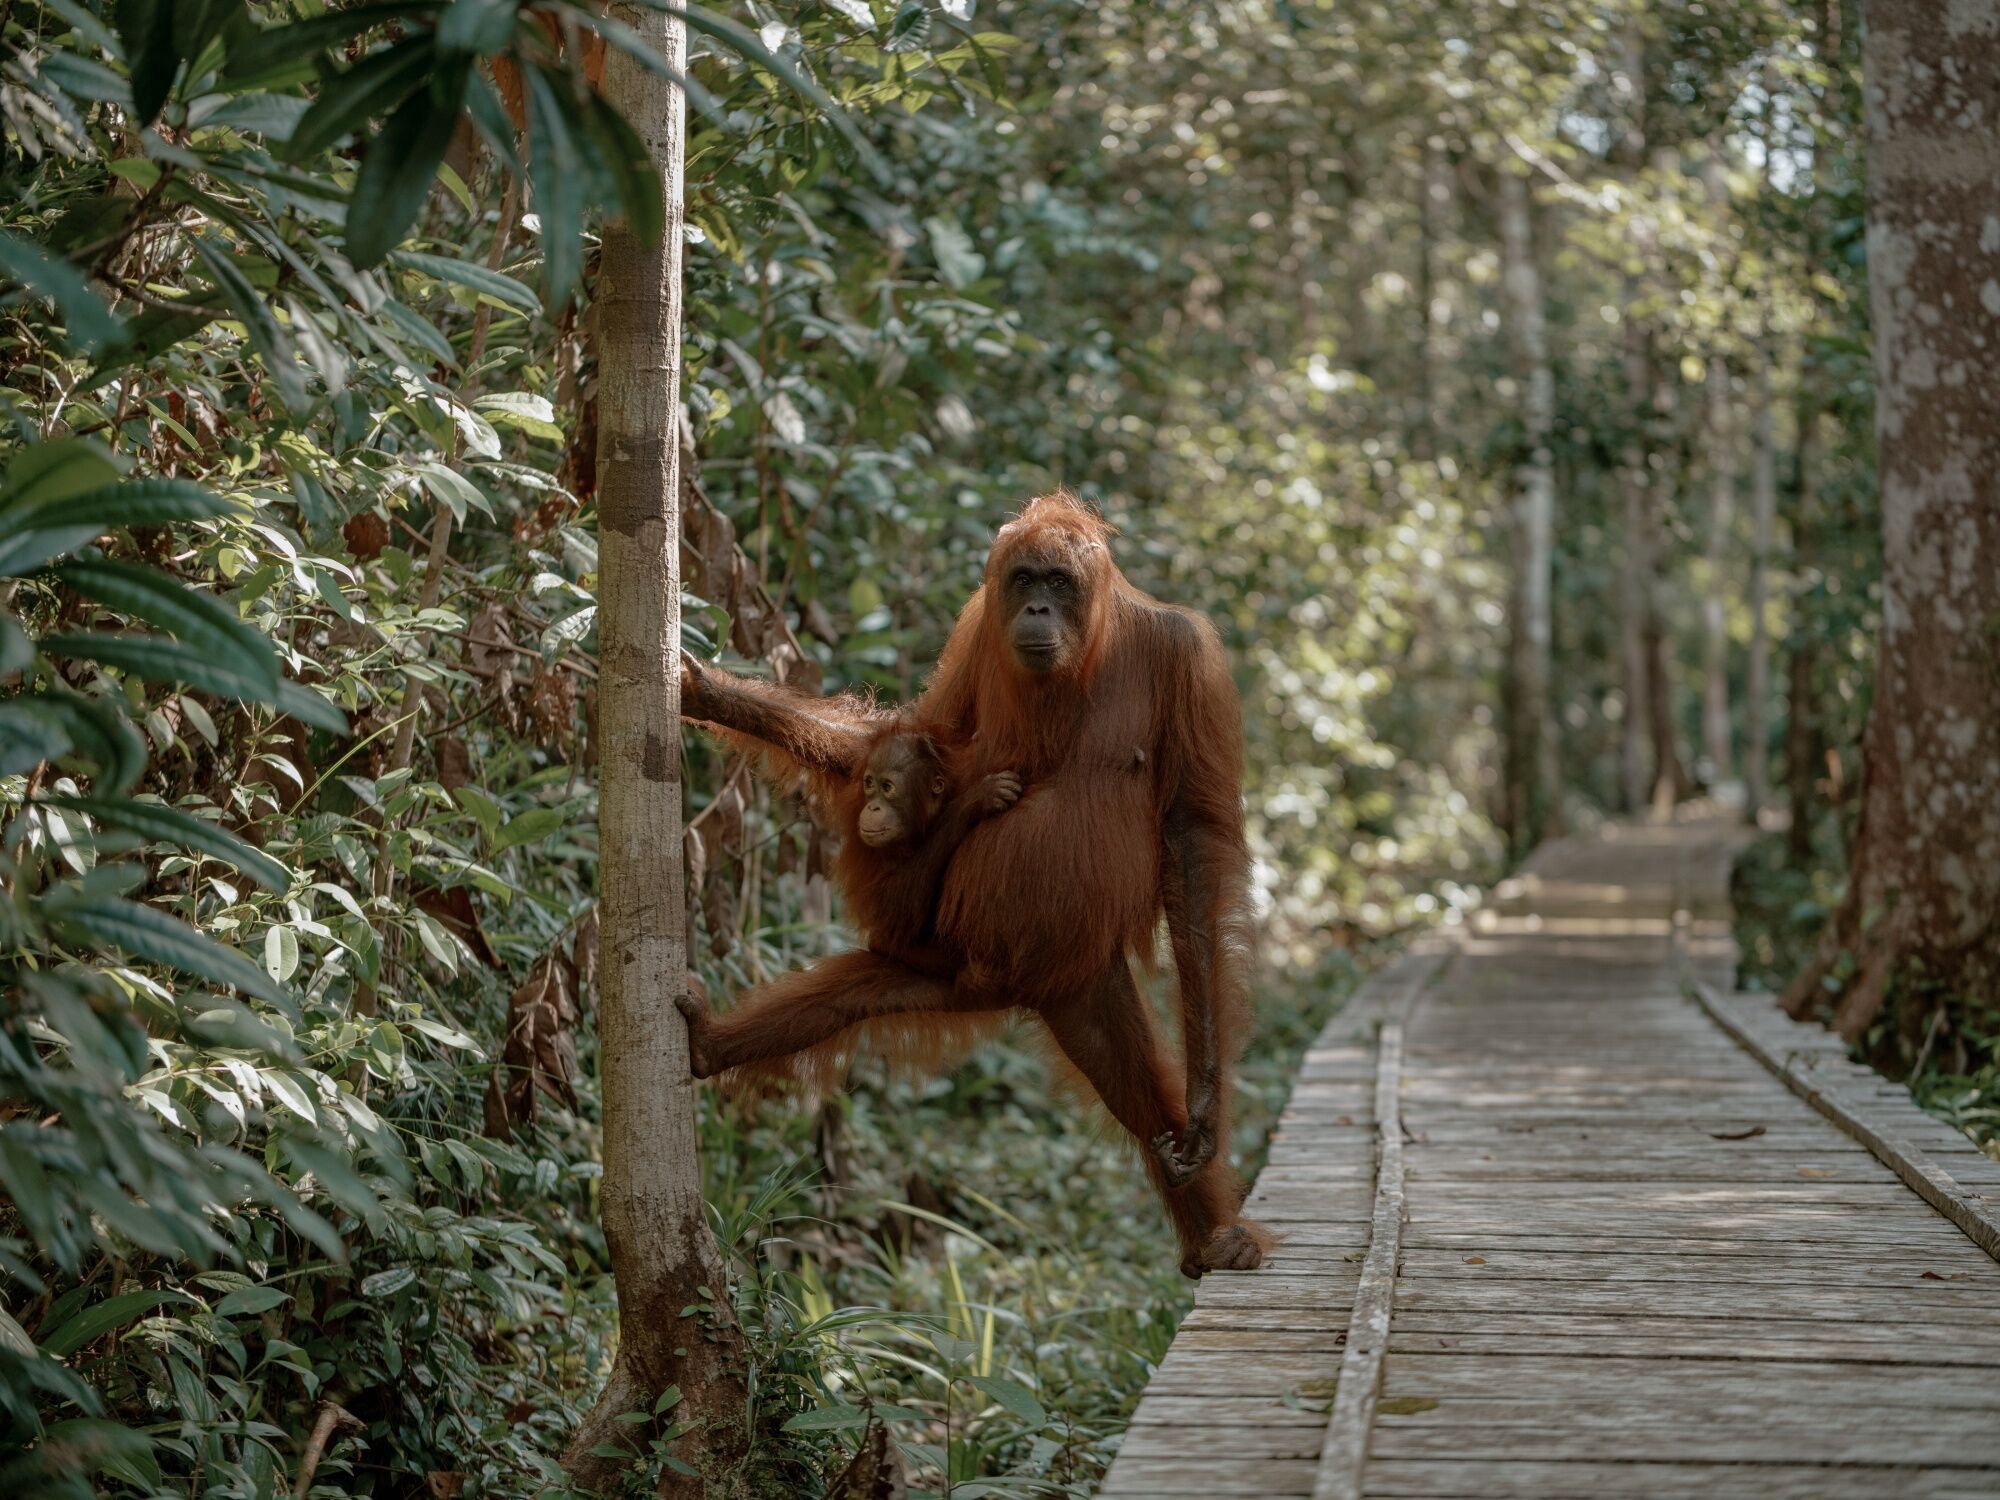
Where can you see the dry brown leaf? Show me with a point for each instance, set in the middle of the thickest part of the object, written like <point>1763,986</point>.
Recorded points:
<point>1475,1260</point>
<point>1749,1134</point>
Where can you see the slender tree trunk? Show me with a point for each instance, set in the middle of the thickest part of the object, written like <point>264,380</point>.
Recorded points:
<point>662,1255</point>
<point>1634,476</point>
<point>1530,744</point>
<point>1715,725</point>
<point>1923,893</point>
<point>1433,204</point>
<point>1801,711</point>
<point>1757,677</point>
<point>1635,575</point>
<point>1715,722</point>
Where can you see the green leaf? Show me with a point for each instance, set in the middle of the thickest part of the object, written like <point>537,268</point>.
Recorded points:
<point>479,26</point>
<point>281,953</point>
<point>633,175</point>
<point>87,319</point>
<point>199,620</point>
<point>159,659</point>
<point>52,525</point>
<point>1016,1397</point>
<point>17,652</point>
<point>152,51</point>
<point>90,728</point>
<point>387,1283</point>
<point>559,174</point>
<point>308,707</point>
<point>148,933</point>
<point>828,1419</point>
<point>59,470</point>
<point>169,825</point>
<point>532,414</point>
<point>251,1300</point>
<point>29,735</point>
<point>371,88</point>
<point>402,163</point>
<point>267,335</point>
<point>113,1312</point>
<point>467,274</point>
<point>253,52</point>
<point>536,823</point>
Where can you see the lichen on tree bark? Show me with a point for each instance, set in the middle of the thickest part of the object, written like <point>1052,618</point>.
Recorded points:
<point>1922,910</point>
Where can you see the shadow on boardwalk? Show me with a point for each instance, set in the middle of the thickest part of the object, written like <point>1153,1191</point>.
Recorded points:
<point>1633,1261</point>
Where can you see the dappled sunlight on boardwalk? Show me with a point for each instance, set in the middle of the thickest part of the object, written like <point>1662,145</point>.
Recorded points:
<point>1631,1261</point>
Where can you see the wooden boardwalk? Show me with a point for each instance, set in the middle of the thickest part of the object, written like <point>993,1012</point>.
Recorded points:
<point>1630,1258</point>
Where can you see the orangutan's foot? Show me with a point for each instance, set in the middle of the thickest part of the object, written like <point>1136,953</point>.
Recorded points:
<point>694,1010</point>
<point>1234,1247</point>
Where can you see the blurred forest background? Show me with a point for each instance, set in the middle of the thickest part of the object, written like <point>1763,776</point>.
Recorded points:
<point>1496,376</point>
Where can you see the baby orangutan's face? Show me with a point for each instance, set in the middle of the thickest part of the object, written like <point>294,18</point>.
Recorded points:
<point>903,786</point>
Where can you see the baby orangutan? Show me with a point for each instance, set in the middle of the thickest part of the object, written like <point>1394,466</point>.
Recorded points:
<point>901,820</point>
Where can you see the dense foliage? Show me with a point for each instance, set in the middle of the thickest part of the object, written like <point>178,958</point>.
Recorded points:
<point>299,1138</point>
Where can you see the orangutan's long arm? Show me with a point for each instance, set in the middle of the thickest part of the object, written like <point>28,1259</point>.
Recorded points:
<point>819,736</point>
<point>1206,881</point>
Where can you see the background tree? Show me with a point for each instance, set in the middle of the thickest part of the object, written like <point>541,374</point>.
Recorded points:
<point>1921,903</point>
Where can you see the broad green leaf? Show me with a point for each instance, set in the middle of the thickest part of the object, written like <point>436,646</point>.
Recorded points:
<point>281,953</point>
<point>267,335</point>
<point>634,176</point>
<point>87,318</point>
<point>477,26</point>
<point>467,274</point>
<point>47,527</point>
<point>252,52</point>
<point>828,1419</point>
<point>530,413</point>
<point>148,933</point>
<point>159,659</point>
<point>251,1300</point>
<point>387,1283</point>
<point>58,470</point>
<point>153,52</point>
<point>536,823</point>
<point>199,620</point>
<point>169,825</point>
<point>30,734</point>
<point>1016,1397</point>
<point>559,175</point>
<point>113,1312</point>
<point>87,727</point>
<point>402,163</point>
<point>351,101</point>
<point>309,707</point>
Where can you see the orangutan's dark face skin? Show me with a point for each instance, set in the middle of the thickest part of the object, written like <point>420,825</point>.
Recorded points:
<point>904,788</point>
<point>1043,599</point>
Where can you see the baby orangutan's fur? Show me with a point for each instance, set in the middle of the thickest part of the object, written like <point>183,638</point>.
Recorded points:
<point>900,820</point>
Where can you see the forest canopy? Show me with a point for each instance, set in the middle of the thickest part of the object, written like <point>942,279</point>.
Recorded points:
<point>1498,379</point>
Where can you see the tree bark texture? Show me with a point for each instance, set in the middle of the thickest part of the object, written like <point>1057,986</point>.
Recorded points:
<point>663,1257</point>
<point>1530,743</point>
<point>1922,910</point>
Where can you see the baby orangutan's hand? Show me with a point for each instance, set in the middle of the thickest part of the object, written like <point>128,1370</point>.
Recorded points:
<point>1000,791</point>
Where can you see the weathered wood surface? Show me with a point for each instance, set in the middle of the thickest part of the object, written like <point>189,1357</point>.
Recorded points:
<point>1633,1261</point>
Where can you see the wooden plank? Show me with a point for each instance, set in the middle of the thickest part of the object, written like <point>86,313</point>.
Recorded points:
<point>1343,1447</point>
<point>1875,1128</point>
<point>1545,1479</point>
<point>1629,1262</point>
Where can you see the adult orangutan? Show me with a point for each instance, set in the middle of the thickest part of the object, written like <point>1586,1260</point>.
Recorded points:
<point>1119,715</point>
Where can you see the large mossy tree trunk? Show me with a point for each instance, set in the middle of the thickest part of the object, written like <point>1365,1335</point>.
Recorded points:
<point>1922,910</point>
<point>663,1256</point>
